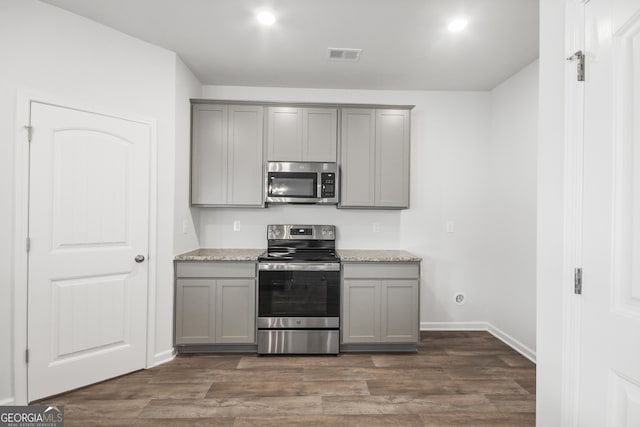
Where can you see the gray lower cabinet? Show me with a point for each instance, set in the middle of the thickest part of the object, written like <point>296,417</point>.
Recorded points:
<point>227,155</point>
<point>215,303</point>
<point>374,158</point>
<point>380,303</point>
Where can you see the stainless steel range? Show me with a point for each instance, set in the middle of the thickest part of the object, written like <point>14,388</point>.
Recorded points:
<point>299,291</point>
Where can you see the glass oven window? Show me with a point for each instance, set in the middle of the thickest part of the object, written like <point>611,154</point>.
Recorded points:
<point>293,184</point>
<point>299,294</point>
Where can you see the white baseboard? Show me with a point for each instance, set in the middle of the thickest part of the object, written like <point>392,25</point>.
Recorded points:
<point>513,343</point>
<point>454,326</point>
<point>163,357</point>
<point>481,326</point>
<point>8,402</point>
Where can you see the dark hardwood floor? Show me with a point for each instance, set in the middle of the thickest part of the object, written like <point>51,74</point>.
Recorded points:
<point>455,379</point>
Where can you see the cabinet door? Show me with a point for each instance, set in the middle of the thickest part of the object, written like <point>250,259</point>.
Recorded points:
<point>245,154</point>
<point>195,302</point>
<point>392,158</point>
<point>357,180</point>
<point>361,311</point>
<point>319,134</point>
<point>399,311</point>
<point>284,133</point>
<point>235,311</point>
<point>209,154</point>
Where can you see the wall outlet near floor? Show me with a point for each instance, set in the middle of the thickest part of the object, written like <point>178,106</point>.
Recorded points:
<point>460,298</point>
<point>236,225</point>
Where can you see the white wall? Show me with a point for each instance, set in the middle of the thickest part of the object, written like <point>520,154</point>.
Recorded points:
<point>47,50</point>
<point>185,236</point>
<point>550,213</point>
<point>512,206</point>
<point>176,177</point>
<point>449,161</point>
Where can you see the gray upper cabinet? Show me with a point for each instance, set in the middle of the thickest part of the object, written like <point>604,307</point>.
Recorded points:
<point>375,153</point>
<point>319,134</point>
<point>227,155</point>
<point>209,154</point>
<point>245,155</point>
<point>302,134</point>
<point>358,157</point>
<point>284,134</point>
<point>392,158</point>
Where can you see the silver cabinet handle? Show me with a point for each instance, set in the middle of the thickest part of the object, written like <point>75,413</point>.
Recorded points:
<point>139,258</point>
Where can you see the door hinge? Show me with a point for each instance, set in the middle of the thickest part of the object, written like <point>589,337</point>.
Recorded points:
<point>29,129</point>
<point>577,281</point>
<point>579,55</point>
<point>26,355</point>
<point>28,244</point>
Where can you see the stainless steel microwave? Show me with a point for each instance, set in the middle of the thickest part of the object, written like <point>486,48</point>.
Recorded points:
<point>301,182</point>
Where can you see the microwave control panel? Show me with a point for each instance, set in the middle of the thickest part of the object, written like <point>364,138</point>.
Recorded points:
<point>328,185</point>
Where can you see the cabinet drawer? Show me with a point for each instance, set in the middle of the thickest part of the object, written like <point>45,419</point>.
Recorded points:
<point>216,269</point>
<point>381,270</point>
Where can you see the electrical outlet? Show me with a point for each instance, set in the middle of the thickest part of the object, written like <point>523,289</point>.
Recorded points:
<point>185,229</point>
<point>236,225</point>
<point>376,227</point>
<point>450,227</point>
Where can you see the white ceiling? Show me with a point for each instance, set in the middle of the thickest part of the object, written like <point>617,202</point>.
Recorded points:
<point>405,43</point>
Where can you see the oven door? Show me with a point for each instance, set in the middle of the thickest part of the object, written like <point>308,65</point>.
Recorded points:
<point>296,290</point>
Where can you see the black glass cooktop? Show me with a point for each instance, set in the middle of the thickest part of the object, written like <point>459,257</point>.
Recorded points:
<point>299,255</point>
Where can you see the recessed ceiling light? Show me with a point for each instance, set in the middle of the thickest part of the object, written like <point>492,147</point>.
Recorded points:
<point>458,25</point>
<point>266,17</point>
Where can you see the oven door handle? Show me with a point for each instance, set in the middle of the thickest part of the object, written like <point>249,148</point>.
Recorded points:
<point>298,266</point>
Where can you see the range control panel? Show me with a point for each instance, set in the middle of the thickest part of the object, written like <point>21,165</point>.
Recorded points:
<point>299,232</point>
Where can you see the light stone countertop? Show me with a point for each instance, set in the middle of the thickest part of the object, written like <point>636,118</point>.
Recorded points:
<point>376,255</point>
<point>345,255</point>
<point>206,254</point>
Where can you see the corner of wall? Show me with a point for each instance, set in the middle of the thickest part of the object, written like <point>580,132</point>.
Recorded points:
<point>511,232</point>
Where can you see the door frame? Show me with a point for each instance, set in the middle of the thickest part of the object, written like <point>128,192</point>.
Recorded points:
<point>21,226</point>
<point>574,96</point>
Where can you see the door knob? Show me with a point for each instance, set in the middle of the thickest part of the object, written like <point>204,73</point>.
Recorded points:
<point>139,258</point>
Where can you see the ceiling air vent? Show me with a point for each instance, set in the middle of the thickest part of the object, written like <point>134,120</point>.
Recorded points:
<point>341,54</point>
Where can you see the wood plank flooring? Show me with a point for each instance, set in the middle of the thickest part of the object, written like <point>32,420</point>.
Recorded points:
<point>455,379</point>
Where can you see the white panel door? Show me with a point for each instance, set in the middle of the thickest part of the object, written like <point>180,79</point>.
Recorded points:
<point>88,220</point>
<point>609,365</point>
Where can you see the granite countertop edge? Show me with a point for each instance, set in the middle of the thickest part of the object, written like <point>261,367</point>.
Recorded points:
<point>376,255</point>
<point>345,255</point>
<point>220,254</point>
